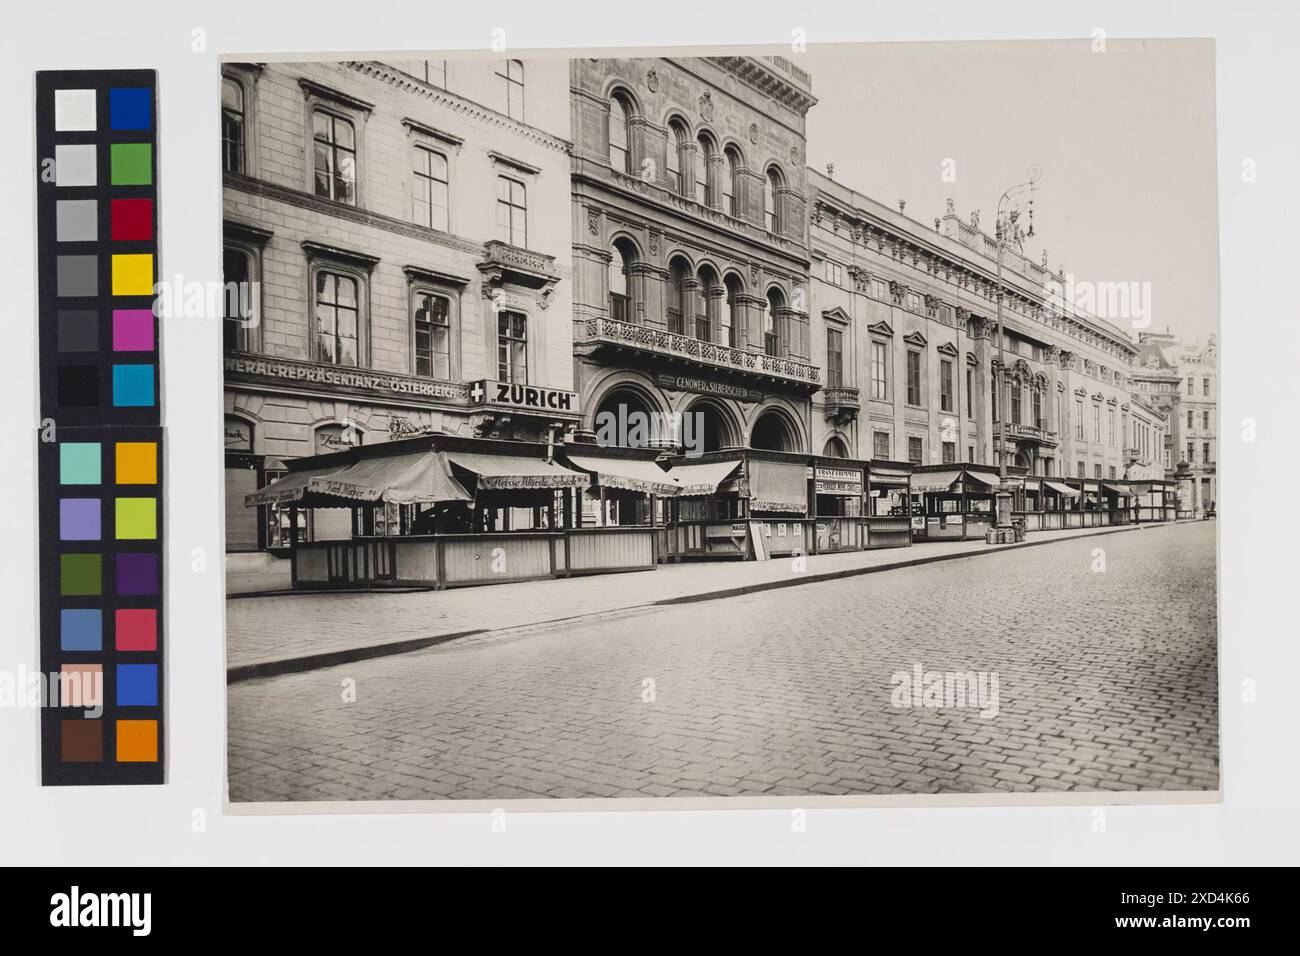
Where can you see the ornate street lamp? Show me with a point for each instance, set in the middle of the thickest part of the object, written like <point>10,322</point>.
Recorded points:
<point>1007,229</point>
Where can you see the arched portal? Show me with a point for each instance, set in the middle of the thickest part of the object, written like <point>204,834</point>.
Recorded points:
<point>773,431</point>
<point>707,426</point>
<point>835,448</point>
<point>626,417</point>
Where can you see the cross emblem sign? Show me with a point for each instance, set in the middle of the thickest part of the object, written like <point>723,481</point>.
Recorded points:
<point>476,392</point>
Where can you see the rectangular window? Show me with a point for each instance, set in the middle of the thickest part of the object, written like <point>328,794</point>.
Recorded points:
<point>878,289</point>
<point>510,87</point>
<point>913,377</point>
<point>1038,409</point>
<point>914,302</point>
<point>1205,452</point>
<point>1191,452</point>
<point>1096,471</point>
<point>1205,387</point>
<point>945,385</point>
<point>1083,470</point>
<point>1205,420</point>
<point>1017,401</point>
<point>880,445</point>
<point>879,371</point>
<point>432,336</point>
<point>915,450</point>
<point>336,319</point>
<point>433,72</point>
<point>236,304</point>
<point>1191,386</point>
<point>970,394</point>
<point>949,452</point>
<point>232,126</point>
<point>834,358</point>
<point>429,188</point>
<point>1078,418</point>
<point>1110,426</point>
<point>970,454</point>
<point>512,212</point>
<point>335,150</point>
<point>512,348</point>
<point>1111,471</point>
<point>1096,423</point>
<point>1190,418</point>
<point>834,272</point>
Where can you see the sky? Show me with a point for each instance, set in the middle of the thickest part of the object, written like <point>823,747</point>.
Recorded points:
<point>1125,139</point>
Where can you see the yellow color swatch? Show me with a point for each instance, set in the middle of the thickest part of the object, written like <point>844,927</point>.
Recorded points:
<point>133,274</point>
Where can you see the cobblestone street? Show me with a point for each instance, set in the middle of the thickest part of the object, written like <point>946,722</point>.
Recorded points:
<point>1107,681</point>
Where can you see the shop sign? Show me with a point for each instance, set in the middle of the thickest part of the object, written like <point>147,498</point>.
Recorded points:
<point>239,434</point>
<point>377,384</point>
<point>838,481</point>
<point>332,438</point>
<point>486,391</point>
<point>703,386</point>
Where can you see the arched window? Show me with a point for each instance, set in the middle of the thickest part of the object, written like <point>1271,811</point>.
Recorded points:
<point>232,126</point>
<point>771,339</point>
<point>705,304</point>
<point>731,319</point>
<point>771,209</point>
<point>676,143</point>
<point>621,257</point>
<point>620,147</point>
<point>678,295</point>
<point>703,195</point>
<point>510,88</point>
<point>729,202</point>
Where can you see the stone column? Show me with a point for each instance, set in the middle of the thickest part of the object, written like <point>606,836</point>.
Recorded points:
<point>649,287</point>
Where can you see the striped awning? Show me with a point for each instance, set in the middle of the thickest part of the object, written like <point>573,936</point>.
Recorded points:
<point>628,474</point>
<point>509,472</point>
<point>702,478</point>
<point>1061,489</point>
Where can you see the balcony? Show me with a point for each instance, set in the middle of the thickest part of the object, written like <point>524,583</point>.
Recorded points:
<point>504,264</point>
<point>671,350</point>
<point>842,403</point>
<point>1030,433</point>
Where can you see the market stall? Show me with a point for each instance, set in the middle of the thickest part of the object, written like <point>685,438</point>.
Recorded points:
<point>888,517</point>
<point>468,511</point>
<point>953,501</point>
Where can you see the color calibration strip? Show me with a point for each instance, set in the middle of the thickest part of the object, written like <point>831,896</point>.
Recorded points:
<point>100,439</point>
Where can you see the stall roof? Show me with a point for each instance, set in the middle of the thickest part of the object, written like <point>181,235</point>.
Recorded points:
<point>631,474</point>
<point>702,478</point>
<point>934,480</point>
<point>1116,489</point>
<point>1061,489</point>
<point>887,476</point>
<point>1141,488</point>
<point>420,478</point>
<point>506,472</point>
<point>405,479</point>
<point>989,478</point>
<point>293,487</point>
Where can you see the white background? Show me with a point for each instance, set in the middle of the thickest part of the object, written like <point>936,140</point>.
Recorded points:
<point>1257,81</point>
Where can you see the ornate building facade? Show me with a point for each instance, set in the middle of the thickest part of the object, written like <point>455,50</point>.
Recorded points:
<point>690,258</point>
<point>1182,382</point>
<point>908,313</point>
<point>396,241</point>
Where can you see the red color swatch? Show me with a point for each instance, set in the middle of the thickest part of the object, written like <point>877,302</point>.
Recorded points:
<point>132,219</point>
<point>137,629</point>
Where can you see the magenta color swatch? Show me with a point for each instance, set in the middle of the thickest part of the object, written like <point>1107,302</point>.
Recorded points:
<point>132,330</point>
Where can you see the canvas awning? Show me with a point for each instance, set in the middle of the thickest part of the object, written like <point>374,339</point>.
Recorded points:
<point>1142,488</point>
<point>412,478</point>
<point>1061,489</point>
<point>702,478</point>
<point>887,476</point>
<point>292,488</point>
<point>419,478</point>
<point>510,472</point>
<point>629,474</point>
<point>934,480</point>
<point>780,486</point>
<point>1115,489</point>
<point>987,478</point>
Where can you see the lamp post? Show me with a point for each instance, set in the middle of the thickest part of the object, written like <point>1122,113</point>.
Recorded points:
<point>1006,227</point>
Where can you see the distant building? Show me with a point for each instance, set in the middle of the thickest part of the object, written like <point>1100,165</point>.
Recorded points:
<point>912,310</point>
<point>1181,380</point>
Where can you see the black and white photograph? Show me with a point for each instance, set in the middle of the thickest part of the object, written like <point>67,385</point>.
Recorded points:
<point>819,424</point>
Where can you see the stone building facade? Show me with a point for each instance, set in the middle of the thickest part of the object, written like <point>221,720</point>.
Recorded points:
<point>1181,380</point>
<point>690,260</point>
<point>396,241</point>
<point>912,311</point>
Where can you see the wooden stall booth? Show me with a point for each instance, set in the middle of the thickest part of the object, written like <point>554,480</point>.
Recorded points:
<point>888,508</point>
<point>955,501</point>
<point>838,485</point>
<point>444,511</point>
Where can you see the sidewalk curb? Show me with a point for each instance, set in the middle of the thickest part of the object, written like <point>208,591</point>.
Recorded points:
<point>308,662</point>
